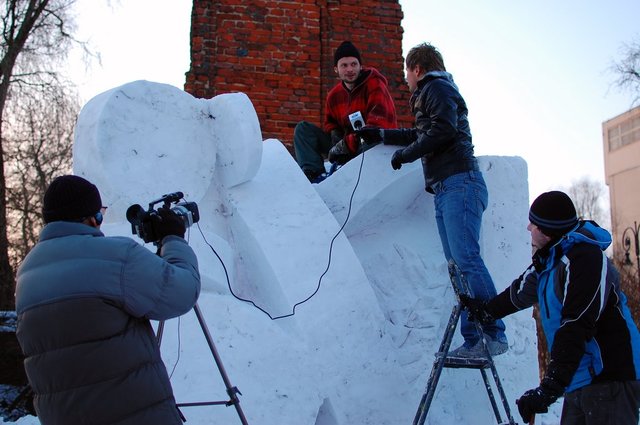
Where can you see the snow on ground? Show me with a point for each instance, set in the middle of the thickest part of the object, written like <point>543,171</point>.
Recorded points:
<point>360,350</point>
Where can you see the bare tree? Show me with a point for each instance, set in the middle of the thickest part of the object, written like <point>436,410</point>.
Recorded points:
<point>628,69</point>
<point>629,281</point>
<point>588,197</point>
<point>38,148</point>
<point>36,38</point>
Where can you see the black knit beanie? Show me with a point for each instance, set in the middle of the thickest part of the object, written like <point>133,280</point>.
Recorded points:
<point>553,212</point>
<point>345,50</point>
<point>70,198</point>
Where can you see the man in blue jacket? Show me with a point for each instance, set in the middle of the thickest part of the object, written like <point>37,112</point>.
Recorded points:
<point>594,344</point>
<point>84,302</point>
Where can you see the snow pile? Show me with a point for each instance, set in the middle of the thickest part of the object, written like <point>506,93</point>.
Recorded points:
<point>360,350</point>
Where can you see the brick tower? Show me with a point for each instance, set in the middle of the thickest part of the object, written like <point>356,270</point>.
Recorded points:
<point>280,53</point>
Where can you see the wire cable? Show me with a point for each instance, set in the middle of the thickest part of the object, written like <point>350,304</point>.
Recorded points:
<point>321,276</point>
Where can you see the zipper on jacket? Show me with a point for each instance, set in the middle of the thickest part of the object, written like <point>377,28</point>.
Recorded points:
<point>544,298</point>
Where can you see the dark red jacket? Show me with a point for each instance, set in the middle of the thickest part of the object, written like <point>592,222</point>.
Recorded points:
<point>370,96</point>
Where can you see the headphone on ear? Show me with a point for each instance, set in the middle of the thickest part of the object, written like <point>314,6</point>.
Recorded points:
<point>98,217</point>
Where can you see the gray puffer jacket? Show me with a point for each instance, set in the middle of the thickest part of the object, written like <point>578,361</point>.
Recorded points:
<point>84,302</point>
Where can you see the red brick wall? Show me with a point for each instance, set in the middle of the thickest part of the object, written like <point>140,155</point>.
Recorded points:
<point>280,53</point>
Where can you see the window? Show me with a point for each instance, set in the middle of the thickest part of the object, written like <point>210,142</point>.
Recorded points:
<point>624,133</point>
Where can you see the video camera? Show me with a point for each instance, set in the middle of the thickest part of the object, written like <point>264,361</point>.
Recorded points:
<point>143,223</point>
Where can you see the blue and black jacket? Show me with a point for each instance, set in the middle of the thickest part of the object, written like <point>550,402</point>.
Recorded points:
<point>587,324</point>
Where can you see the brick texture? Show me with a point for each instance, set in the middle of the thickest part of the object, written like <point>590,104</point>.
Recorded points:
<point>280,53</point>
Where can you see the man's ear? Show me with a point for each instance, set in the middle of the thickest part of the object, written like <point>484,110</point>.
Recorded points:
<point>335,69</point>
<point>91,221</point>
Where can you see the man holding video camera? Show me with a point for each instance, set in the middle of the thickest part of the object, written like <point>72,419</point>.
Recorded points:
<point>84,302</point>
<point>361,90</point>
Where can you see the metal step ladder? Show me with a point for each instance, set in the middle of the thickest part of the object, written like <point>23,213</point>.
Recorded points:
<point>443,360</point>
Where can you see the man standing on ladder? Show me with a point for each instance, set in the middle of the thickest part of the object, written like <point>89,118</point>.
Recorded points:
<point>441,139</point>
<point>594,343</point>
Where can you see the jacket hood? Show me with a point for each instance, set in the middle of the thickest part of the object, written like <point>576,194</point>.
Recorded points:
<point>588,232</point>
<point>428,77</point>
<point>585,232</point>
<point>432,75</point>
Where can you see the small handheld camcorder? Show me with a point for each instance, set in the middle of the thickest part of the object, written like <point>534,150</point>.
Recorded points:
<point>143,223</point>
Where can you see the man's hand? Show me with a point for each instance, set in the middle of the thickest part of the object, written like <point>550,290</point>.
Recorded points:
<point>339,153</point>
<point>477,309</point>
<point>538,399</point>
<point>397,160</point>
<point>352,143</point>
<point>169,224</point>
<point>371,135</point>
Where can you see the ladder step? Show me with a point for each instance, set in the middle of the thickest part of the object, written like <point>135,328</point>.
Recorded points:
<point>465,362</point>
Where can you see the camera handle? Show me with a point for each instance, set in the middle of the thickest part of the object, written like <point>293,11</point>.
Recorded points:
<point>231,390</point>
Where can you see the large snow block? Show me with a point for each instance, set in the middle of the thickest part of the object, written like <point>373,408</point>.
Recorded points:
<point>293,251</point>
<point>236,133</point>
<point>141,140</point>
<point>368,182</point>
<point>393,231</point>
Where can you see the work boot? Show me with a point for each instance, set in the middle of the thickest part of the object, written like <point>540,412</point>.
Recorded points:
<point>468,351</point>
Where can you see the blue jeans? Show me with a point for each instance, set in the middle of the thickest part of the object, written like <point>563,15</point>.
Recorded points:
<point>460,201</point>
<point>311,144</point>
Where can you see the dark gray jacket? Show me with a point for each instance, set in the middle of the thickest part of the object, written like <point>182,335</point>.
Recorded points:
<point>441,136</point>
<point>84,302</point>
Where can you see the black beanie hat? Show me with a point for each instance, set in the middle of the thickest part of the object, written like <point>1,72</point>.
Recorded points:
<point>345,50</point>
<point>70,198</point>
<point>553,212</point>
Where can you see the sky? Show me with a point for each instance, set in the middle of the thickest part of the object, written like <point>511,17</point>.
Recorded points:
<point>360,349</point>
<point>535,75</point>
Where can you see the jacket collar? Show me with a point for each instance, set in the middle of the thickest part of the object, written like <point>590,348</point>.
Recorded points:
<point>58,229</point>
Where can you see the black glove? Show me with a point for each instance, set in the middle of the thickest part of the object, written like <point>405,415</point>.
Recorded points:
<point>169,223</point>
<point>339,153</point>
<point>371,135</point>
<point>397,160</point>
<point>477,309</point>
<point>539,399</point>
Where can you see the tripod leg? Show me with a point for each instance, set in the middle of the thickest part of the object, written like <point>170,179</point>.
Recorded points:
<point>231,390</point>
<point>159,332</point>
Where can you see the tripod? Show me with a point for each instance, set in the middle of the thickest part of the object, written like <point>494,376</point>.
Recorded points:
<point>231,390</point>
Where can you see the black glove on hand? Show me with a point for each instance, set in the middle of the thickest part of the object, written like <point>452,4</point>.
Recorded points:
<point>339,153</point>
<point>477,309</point>
<point>371,135</point>
<point>397,160</point>
<point>539,399</point>
<point>169,224</point>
